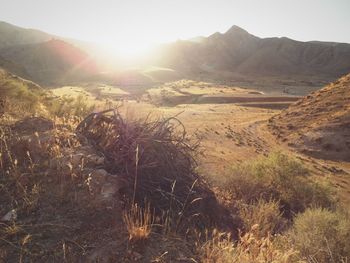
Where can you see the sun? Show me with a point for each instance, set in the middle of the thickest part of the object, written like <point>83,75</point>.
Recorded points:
<point>130,49</point>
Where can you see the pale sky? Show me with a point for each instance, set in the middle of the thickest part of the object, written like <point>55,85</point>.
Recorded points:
<point>133,25</point>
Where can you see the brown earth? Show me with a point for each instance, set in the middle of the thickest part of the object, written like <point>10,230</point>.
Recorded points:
<point>95,232</point>
<point>319,124</point>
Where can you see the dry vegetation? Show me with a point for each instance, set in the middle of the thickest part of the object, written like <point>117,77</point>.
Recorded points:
<point>100,187</point>
<point>319,124</point>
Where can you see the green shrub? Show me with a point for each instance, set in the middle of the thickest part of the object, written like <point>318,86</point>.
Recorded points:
<point>278,177</point>
<point>322,235</point>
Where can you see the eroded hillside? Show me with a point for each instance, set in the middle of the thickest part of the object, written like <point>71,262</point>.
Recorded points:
<point>319,124</point>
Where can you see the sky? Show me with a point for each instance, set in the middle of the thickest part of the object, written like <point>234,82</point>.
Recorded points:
<point>134,25</point>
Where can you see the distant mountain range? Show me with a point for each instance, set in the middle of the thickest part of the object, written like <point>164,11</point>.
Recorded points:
<point>43,58</point>
<point>13,35</point>
<point>233,56</point>
<point>237,53</point>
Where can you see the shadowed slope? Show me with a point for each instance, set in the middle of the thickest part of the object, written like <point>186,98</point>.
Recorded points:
<point>52,61</point>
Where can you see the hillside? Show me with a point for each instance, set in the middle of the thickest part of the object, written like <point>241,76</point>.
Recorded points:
<point>319,124</point>
<point>13,67</point>
<point>136,175</point>
<point>16,88</point>
<point>51,62</point>
<point>19,97</point>
<point>239,55</point>
<point>14,35</point>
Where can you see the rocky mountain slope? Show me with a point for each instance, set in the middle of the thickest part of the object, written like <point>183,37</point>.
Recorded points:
<point>13,35</point>
<point>237,54</point>
<point>319,124</point>
<point>13,67</point>
<point>51,61</point>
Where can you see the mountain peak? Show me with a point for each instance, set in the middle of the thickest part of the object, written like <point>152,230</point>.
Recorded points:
<point>236,30</point>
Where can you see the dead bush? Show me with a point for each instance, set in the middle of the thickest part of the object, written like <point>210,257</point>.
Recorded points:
<point>156,158</point>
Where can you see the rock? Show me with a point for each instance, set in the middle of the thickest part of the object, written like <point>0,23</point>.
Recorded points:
<point>35,144</point>
<point>104,185</point>
<point>33,124</point>
<point>108,190</point>
<point>96,179</point>
<point>10,216</point>
<point>76,159</point>
<point>99,175</point>
<point>69,162</point>
<point>94,159</point>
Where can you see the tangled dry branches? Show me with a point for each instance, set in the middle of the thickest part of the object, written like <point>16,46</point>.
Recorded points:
<point>156,157</point>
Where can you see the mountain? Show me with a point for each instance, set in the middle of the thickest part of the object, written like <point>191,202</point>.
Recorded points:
<point>13,35</point>
<point>51,62</point>
<point>237,54</point>
<point>44,58</point>
<point>13,67</point>
<point>319,124</point>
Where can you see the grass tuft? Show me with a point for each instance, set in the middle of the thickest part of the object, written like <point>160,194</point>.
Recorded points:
<point>138,222</point>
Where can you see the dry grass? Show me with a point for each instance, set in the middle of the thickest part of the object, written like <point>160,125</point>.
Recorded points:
<point>266,215</point>
<point>18,175</point>
<point>220,248</point>
<point>138,222</point>
<point>145,152</point>
<point>278,177</point>
<point>69,106</point>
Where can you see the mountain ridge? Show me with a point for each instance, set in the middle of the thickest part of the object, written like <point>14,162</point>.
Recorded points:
<point>50,62</point>
<point>235,55</point>
<point>239,53</point>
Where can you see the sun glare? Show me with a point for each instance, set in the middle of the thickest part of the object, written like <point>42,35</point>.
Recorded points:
<point>130,49</point>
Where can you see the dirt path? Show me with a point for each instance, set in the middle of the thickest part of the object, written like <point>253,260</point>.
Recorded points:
<point>231,134</point>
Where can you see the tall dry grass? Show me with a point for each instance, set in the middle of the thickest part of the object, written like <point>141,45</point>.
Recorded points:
<point>138,221</point>
<point>250,248</point>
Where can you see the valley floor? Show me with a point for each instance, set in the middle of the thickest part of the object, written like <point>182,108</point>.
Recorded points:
<point>230,133</point>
